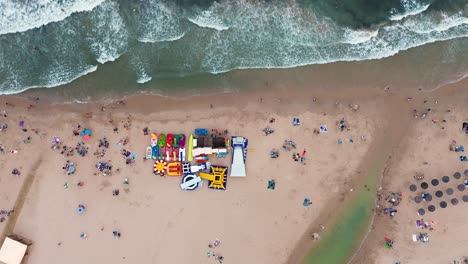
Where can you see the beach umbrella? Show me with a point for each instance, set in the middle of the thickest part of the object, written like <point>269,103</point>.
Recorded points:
<point>461,187</point>
<point>87,132</point>
<point>457,175</point>
<point>454,201</point>
<point>424,185</point>
<point>413,187</point>
<point>466,172</point>
<point>435,182</point>
<point>421,211</point>
<point>446,179</point>
<point>81,133</point>
<point>71,168</point>
<point>439,194</point>
<point>431,208</point>
<point>443,204</point>
<point>86,137</point>
<point>418,199</point>
<point>428,198</point>
<point>465,198</point>
<point>449,191</point>
<point>80,209</point>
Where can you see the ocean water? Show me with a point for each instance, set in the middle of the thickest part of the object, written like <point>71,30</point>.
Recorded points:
<point>155,45</point>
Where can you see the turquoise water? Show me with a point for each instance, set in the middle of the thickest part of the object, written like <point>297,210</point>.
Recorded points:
<point>153,45</point>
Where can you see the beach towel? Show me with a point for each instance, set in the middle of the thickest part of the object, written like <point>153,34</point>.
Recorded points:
<point>323,129</point>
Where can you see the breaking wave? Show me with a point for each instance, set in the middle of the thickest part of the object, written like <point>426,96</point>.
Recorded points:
<point>411,8</point>
<point>222,36</point>
<point>22,16</point>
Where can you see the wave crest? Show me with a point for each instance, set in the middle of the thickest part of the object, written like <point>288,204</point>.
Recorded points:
<point>20,17</point>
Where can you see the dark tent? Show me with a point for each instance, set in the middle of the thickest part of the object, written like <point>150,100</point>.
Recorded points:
<point>219,142</point>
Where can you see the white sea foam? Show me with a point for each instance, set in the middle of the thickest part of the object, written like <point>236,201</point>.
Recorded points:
<point>148,40</point>
<point>260,35</point>
<point>144,79</point>
<point>358,36</point>
<point>142,74</point>
<point>411,8</point>
<point>158,22</point>
<point>284,50</point>
<point>438,24</point>
<point>208,19</point>
<point>19,16</point>
<point>108,38</point>
<point>54,79</point>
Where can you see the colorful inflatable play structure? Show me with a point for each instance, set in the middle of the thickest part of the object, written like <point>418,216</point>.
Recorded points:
<point>239,155</point>
<point>190,182</point>
<point>174,168</point>
<point>217,178</point>
<point>159,167</point>
<point>190,157</point>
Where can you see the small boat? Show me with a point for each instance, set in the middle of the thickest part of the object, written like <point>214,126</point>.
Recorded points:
<point>149,152</point>
<point>161,141</point>
<point>190,148</point>
<point>202,157</point>
<point>155,151</point>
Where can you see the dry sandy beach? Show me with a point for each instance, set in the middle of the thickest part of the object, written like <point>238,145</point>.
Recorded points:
<point>160,223</point>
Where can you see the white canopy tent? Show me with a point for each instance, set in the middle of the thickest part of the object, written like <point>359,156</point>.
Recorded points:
<point>12,252</point>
